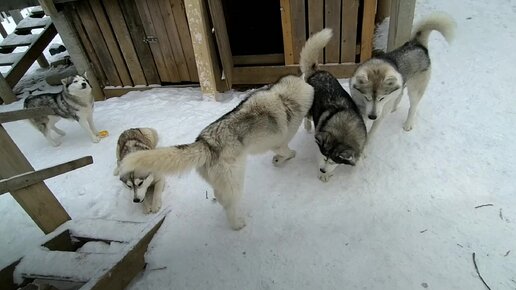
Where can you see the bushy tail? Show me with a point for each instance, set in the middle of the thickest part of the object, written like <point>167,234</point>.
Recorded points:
<point>310,52</point>
<point>174,159</point>
<point>439,21</point>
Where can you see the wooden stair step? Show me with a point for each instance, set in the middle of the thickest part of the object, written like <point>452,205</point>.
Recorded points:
<point>15,40</point>
<point>37,12</point>
<point>95,228</point>
<point>64,266</point>
<point>7,59</point>
<point>29,23</point>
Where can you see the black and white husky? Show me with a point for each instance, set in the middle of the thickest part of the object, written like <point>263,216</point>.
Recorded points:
<point>75,102</point>
<point>340,131</point>
<point>377,84</point>
<point>266,120</point>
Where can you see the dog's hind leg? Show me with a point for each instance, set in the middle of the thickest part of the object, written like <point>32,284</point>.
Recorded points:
<point>52,120</point>
<point>283,153</point>
<point>416,87</point>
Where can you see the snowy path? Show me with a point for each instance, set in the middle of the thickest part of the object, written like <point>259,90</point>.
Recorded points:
<point>405,218</point>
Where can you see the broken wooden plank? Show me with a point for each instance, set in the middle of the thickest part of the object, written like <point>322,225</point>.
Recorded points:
<point>286,25</point>
<point>26,179</point>
<point>332,19</point>
<point>6,92</point>
<point>316,20</point>
<point>297,17</point>
<point>400,22</point>
<point>348,38</point>
<point>222,39</point>
<point>186,40</point>
<point>30,113</point>
<point>366,45</point>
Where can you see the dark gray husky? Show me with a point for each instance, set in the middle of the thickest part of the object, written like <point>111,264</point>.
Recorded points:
<point>340,131</point>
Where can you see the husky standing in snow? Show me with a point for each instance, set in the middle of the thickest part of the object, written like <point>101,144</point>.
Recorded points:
<point>74,102</point>
<point>377,84</point>
<point>340,131</point>
<point>266,120</point>
<point>146,186</point>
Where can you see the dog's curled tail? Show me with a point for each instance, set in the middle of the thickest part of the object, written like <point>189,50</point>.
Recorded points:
<point>311,51</point>
<point>438,21</point>
<point>175,159</point>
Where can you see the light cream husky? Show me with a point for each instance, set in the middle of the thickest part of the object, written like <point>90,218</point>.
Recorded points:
<point>266,120</point>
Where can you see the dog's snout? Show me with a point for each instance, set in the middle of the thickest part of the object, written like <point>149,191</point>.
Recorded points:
<point>136,200</point>
<point>322,170</point>
<point>83,85</point>
<point>372,117</point>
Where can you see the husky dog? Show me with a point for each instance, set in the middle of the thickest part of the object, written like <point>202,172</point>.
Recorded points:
<point>74,102</point>
<point>340,131</point>
<point>146,186</point>
<point>266,120</point>
<point>377,85</point>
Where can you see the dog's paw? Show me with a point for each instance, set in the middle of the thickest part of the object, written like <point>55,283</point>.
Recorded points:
<point>155,206</point>
<point>55,143</point>
<point>147,208</point>
<point>278,160</point>
<point>95,139</point>
<point>324,177</point>
<point>407,127</point>
<point>237,223</point>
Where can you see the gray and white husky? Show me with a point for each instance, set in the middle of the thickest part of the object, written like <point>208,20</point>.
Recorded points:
<point>74,102</point>
<point>146,186</point>
<point>377,84</point>
<point>340,131</point>
<point>266,120</point>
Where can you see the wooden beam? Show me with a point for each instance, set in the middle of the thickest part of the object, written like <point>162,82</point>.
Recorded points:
<point>30,113</point>
<point>37,200</point>
<point>73,45</point>
<point>260,59</point>
<point>205,58</point>
<point>270,74</point>
<point>7,276</point>
<point>26,179</point>
<point>400,22</point>
<point>366,45</point>
<point>286,25</point>
<point>6,92</point>
<point>222,39</point>
<point>117,91</point>
<point>16,4</point>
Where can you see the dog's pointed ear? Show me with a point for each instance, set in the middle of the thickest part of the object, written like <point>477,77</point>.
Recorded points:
<point>361,78</point>
<point>347,156</point>
<point>390,80</point>
<point>64,81</point>
<point>85,75</point>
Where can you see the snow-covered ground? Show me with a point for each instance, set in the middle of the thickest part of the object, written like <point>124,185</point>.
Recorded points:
<point>404,218</point>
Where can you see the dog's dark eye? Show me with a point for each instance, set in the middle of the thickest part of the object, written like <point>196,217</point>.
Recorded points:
<point>381,99</point>
<point>356,88</point>
<point>74,81</point>
<point>139,183</point>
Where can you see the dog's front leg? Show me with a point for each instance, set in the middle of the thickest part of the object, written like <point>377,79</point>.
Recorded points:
<point>156,197</point>
<point>83,121</point>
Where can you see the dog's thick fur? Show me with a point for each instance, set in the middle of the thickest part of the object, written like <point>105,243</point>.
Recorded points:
<point>340,131</point>
<point>266,120</point>
<point>145,186</point>
<point>377,84</point>
<point>75,102</point>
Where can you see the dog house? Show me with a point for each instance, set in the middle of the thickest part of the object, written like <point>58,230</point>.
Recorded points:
<point>139,44</point>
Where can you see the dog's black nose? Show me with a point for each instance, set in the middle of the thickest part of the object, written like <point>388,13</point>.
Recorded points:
<point>83,85</point>
<point>322,170</point>
<point>136,200</point>
<point>372,117</point>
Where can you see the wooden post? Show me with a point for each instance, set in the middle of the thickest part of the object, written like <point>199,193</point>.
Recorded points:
<point>286,24</point>
<point>73,45</point>
<point>37,200</point>
<point>203,48</point>
<point>2,31</point>
<point>400,23</point>
<point>366,46</point>
<point>6,93</point>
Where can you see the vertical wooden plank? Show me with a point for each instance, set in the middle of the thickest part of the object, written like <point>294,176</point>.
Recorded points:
<point>117,21</point>
<point>37,200</point>
<point>184,34</point>
<point>286,24</point>
<point>75,21</point>
<point>222,38</point>
<point>111,43</point>
<point>135,26</point>
<point>400,22</point>
<point>205,58</point>
<point>332,20</point>
<point>6,92</point>
<point>316,19</point>
<point>173,38</point>
<point>366,45</point>
<point>297,16</point>
<point>73,45</point>
<point>101,50</point>
<point>161,34</point>
<point>349,31</point>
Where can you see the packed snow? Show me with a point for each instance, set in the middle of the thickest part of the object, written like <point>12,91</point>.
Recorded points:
<point>409,216</point>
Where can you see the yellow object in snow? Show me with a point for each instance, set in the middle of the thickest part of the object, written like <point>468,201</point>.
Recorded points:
<point>103,133</point>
